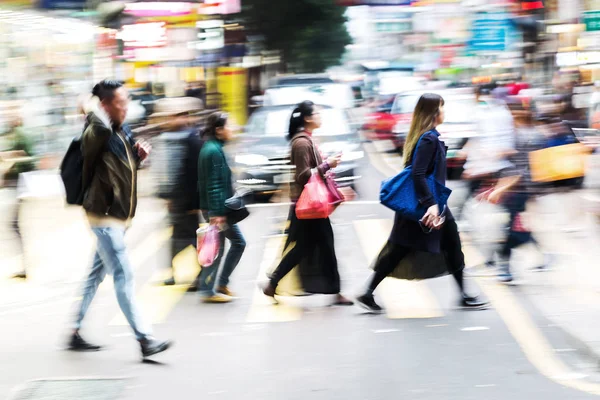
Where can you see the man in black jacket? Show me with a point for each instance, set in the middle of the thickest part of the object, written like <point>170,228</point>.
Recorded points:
<point>111,158</point>
<point>182,191</point>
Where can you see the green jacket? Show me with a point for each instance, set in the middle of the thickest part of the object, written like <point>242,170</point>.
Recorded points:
<point>214,179</point>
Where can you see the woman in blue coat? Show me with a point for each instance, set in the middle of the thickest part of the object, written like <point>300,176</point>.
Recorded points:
<point>435,238</point>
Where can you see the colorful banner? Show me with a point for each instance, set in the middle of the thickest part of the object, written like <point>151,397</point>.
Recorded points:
<point>232,85</point>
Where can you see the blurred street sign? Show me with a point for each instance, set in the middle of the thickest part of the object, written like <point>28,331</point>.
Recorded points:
<point>63,4</point>
<point>591,19</point>
<point>491,32</point>
<point>349,3</point>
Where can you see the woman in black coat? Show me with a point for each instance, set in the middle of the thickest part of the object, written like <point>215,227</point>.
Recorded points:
<point>435,238</point>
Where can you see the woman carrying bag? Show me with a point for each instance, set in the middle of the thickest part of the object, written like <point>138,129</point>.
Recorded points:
<point>310,241</point>
<point>216,187</point>
<point>436,233</point>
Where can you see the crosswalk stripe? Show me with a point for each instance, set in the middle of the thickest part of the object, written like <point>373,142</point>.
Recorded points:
<point>262,308</point>
<point>402,299</point>
<point>156,302</point>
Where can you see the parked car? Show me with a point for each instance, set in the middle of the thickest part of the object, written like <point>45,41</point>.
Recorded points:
<point>262,162</point>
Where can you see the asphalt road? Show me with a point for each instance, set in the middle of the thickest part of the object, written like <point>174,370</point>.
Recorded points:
<point>423,347</point>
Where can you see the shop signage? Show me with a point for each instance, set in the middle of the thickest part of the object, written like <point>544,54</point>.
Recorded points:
<point>591,19</point>
<point>150,34</point>
<point>211,35</point>
<point>232,85</point>
<point>349,3</point>
<point>575,58</point>
<point>222,7</point>
<point>63,4</point>
<point>159,9</point>
<point>491,32</point>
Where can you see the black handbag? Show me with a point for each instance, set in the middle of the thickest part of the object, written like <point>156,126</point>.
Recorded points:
<point>235,206</point>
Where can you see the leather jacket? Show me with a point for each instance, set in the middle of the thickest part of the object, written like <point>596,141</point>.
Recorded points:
<point>109,168</point>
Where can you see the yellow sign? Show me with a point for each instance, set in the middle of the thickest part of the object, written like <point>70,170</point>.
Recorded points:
<point>558,163</point>
<point>232,85</point>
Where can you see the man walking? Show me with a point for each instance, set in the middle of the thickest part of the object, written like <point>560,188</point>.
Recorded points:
<point>111,158</point>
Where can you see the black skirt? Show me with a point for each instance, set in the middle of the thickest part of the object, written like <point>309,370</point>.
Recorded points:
<point>413,263</point>
<point>310,244</point>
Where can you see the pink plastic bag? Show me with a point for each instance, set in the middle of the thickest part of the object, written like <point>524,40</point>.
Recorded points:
<point>208,246</point>
<point>314,200</point>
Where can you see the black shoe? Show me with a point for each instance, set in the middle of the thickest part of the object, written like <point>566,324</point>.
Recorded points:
<point>169,282</point>
<point>367,301</point>
<point>473,303</point>
<point>151,346</point>
<point>19,275</point>
<point>342,301</point>
<point>193,288</point>
<point>77,343</point>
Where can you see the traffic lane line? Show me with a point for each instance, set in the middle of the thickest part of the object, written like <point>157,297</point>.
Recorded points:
<point>528,336</point>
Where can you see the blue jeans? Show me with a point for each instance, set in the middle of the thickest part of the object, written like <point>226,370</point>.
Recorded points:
<point>111,258</point>
<point>208,275</point>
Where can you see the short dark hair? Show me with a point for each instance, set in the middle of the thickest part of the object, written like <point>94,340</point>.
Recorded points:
<point>214,121</point>
<point>105,89</point>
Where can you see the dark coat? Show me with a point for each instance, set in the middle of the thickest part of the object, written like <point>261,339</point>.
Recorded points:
<point>407,232</point>
<point>110,166</point>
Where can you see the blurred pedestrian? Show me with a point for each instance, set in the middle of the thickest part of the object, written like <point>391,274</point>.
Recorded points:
<point>110,161</point>
<point>182,178</point>
<point>19,157</point>
<point>216,186</point>
<point>488,151</point>
<point>437,232</point>
<point>514,190</point>
<point>308,239</point>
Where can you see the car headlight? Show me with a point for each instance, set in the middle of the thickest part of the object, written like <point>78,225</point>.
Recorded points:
<point>251,159</point>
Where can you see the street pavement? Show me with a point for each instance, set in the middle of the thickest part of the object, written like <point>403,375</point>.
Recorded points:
<point>422,347</point>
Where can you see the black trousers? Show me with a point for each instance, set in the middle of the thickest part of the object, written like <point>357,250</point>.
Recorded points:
<point>310,245</point>
<point>184,231</point>
<point>393,253</point>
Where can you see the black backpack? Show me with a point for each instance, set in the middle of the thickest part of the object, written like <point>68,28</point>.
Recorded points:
<point>71,172</point>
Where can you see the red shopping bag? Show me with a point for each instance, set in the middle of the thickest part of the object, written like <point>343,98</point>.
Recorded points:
<point>208,245</point>
<point>314,200</point>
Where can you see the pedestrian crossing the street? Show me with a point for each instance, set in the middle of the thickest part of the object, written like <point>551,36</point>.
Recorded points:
<point>402,299</point>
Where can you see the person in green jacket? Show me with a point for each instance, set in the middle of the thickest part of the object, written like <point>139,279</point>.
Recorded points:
<point>215,186</point>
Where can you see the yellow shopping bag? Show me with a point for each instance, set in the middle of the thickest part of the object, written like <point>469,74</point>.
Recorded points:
<point>558,163</point>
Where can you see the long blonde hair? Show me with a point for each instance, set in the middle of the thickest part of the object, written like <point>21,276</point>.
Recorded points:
<point>423,120</point>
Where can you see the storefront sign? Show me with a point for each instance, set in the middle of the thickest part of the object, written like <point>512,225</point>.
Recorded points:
<point>222,7</point>
<point>158,9</point>
<point>63,4</point>
<point>349,3</point>
<point>591,19</point>
<point>151,34</point>
<point>575,58</point>
<point>211,35</point>
<point>232,85</point>
<point>491,32</point>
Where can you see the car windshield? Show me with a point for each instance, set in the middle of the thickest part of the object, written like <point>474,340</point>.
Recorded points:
<point>275,123</point>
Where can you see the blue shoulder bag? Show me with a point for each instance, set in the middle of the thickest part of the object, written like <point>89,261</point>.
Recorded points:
<point>398,192</point>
